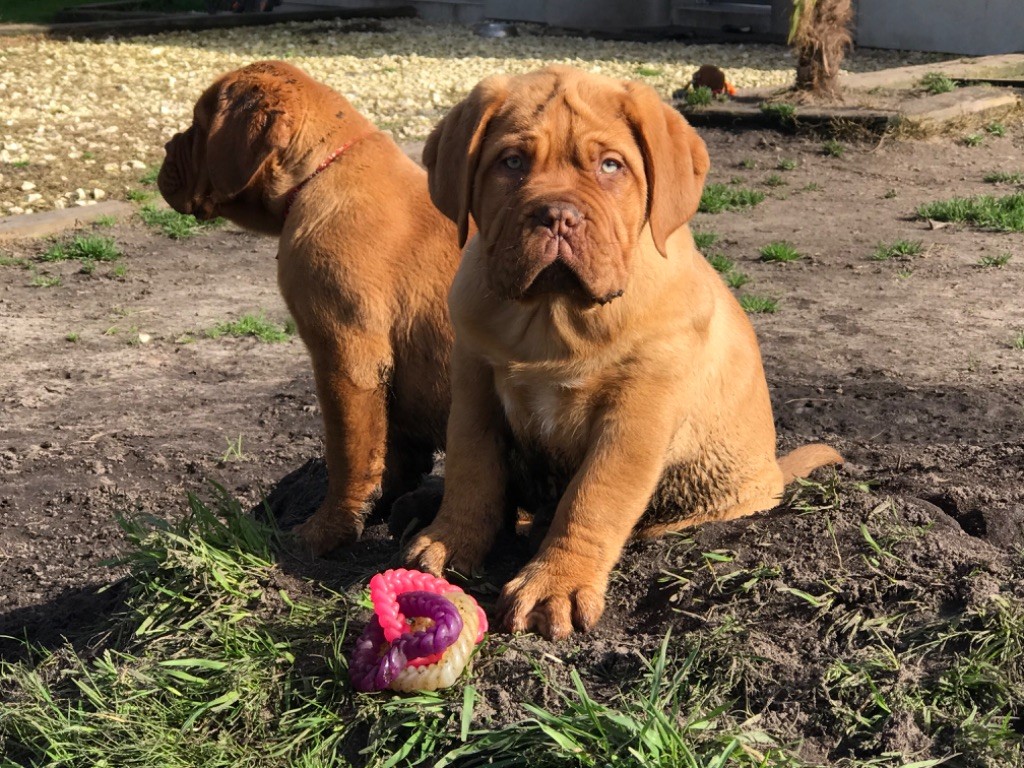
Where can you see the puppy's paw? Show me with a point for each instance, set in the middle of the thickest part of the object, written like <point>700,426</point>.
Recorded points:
<point>327,530</point>
<point>551,600</point>
<point>439,547</point>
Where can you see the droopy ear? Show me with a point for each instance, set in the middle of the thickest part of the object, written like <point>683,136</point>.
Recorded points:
<point>676,161</point>
<point>245,134</point>
<point>452,151</point>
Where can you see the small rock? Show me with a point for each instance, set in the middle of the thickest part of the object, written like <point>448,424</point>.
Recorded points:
<point>80,193</point>
<point>98,194</point>
<point>33,197</point>
<point>145,338</point>
<point>27,186</point>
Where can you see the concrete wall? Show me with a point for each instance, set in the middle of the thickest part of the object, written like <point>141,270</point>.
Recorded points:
<point>974,27</point>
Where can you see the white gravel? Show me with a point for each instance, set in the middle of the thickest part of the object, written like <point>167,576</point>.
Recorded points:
<point>95,114</point>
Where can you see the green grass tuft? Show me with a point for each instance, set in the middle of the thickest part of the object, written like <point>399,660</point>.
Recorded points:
<point>645,71</point>
<point>735,280</point>
<point>700,96</point>
<point>139,195</point>
<point>994,261</point>
<point>774,180</point>
<point>45,281</point>
<point>720,263</point>
<point>177,226</point>
<point>781,112</point>
<point>901,249</point>
<point>14,261</point>
<point>722,197</point>
<point>781,252</point>
<point>758,304</point>
<point>149,177</point>
<point>833,148</point>
<point>973,140</point>
<point>787,165</point>
<point>1004,214</point>
<point>85,248</point>
<point>704,240</point>
<point>254,326</point>
<point>1004,177</point>
<point>1018,342</point>
<point>936,82</point>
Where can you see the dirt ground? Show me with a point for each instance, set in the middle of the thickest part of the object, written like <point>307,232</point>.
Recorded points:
<point>907,366</point>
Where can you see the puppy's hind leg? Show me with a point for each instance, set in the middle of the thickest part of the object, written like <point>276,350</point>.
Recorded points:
<point>354,406</point>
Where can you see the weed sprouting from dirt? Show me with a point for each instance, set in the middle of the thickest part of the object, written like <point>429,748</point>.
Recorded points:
<point>701,96</point>
<point>1004,214</point>
<point>787,165</point>
<point>85,248</point>
<point>995,129</point>
<point>14,261</point>
<point>997,262</point>
<point>46,281</point>
<point>722,197</point>
<point>758,305</point>
<point>774,180</point>
<point>1004,177</point>
<point>833,148</point>
<point>780,252</point>
<point>255,326</point>
<point>177,226</point>
<point>734,279</point>
<point>780,112</point>
<point>721,263</point>
<point>973,140</point>
<point>936,83</point>
<point>1018,342</point>
<point>704,240</point>
<point>149,177</point>
<point>901,249</point>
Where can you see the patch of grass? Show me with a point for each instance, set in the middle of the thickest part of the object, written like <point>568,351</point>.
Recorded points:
<point>890,194</point>
<point>139,195</point>
<point>254,326</point>
<point>721,197</point>
<point>14,261</point>
<point>901,249</point>
<point>735,280</point>
<point>747,163</point>
<point>119,271</point>
<point>88,155</point>
<point>1004,214</point>
<point>755,305</point>
<point>704,240</point>
<point>177,226</point>
<point>1018,342</point>
<point>936,83</point>
<point>1004,177</point>
<point>85,248</point>
<point>234,451</point>
<point>995,129</point>
<point>645,71</point>
<point>720,263</point>
<point>774,180</point>
<point>45,281</point>
<point>104,222</point>
<point>812,187</point>
<point>780,251</point>
<point>833,148</point>
<point>787,164</point>
<point>700,96</point>
<point>780,111</point>
<point>149,177</point>
<point>994,261</point>
<point>973,140</point>
<point>72,337</point>
<point>20,164</point>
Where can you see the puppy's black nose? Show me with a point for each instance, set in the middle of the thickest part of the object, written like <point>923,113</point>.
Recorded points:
<point>560,218</point>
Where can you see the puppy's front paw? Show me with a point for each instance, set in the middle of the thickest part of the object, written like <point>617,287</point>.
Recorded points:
<point>440,546</point>
<point>328,529</point>
<point>552,600</point>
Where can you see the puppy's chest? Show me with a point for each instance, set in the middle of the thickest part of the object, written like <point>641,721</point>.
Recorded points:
<point>550,412</point>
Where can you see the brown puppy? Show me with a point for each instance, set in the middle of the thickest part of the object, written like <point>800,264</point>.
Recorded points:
<point>364,265</point>
<point>601,366</point>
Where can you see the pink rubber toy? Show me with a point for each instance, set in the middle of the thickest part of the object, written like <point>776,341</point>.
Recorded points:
<point>446,625</point>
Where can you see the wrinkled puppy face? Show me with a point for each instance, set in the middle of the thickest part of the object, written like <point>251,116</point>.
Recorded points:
<point>559,169</point>
<point>238,125</point>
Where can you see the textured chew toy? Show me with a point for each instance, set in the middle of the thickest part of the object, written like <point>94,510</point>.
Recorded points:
<point>426,653</point>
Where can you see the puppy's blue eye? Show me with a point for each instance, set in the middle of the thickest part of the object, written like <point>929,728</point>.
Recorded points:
<point>513,163</point>
<point>610,166</point>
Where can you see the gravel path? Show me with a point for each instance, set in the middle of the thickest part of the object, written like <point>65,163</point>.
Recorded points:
<point>82,121</point>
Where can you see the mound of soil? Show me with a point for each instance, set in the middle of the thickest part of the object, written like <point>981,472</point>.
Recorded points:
<point>112,400</point>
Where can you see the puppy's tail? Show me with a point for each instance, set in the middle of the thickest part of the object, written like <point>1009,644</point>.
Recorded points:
<point>805,459</point>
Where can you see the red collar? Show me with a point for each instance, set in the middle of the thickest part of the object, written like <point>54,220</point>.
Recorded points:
<point>289,198</point>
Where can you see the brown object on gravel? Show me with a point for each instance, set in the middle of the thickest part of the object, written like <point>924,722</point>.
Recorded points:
<point>364,265</point>
<point>594,344</point>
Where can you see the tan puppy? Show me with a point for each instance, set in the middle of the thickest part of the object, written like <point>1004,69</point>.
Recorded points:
<point>364,265</point>
<point>600,363</point>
